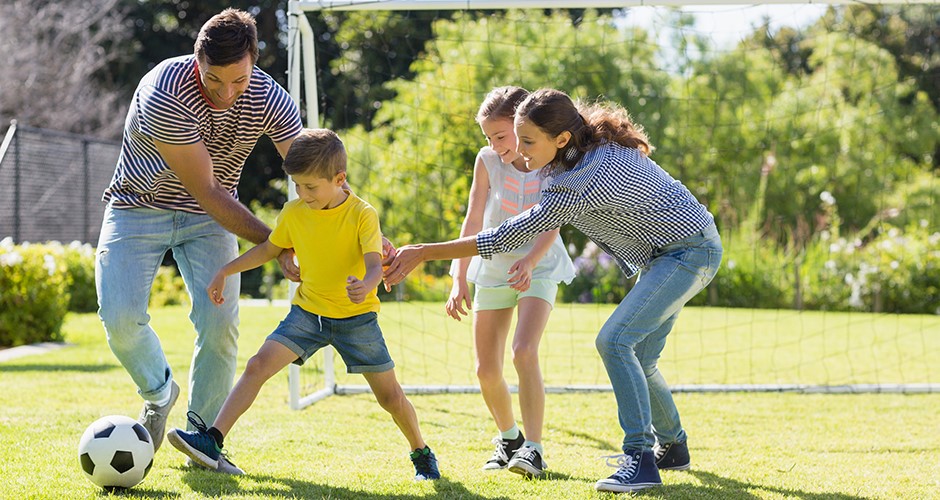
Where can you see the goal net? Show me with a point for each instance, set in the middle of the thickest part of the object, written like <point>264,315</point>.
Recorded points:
<point>808,130</point>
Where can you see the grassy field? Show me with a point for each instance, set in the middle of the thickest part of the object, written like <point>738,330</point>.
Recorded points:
<point>743,445</point>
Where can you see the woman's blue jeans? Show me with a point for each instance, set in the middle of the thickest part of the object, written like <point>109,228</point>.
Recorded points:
<point>632,339</point>
<point>131,247</point>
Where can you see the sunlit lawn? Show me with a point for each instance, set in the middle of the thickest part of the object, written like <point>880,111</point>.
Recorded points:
<point>744,445</point>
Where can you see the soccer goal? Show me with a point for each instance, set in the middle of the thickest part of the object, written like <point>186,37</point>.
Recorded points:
<point>808,129</point>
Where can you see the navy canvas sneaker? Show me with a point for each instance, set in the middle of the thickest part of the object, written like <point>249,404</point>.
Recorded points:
<point>636,470</point>
<point>672,456</point>
<point>425,465</point>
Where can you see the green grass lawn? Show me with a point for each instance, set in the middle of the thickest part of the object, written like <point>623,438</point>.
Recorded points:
<point>743,445</point>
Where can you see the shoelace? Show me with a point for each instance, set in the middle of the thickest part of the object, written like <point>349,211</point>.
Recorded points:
<point>527,453</point>
<point>626,466</point>
<point>197,421</point>
<point>500,452</point>
<point>660,451</point>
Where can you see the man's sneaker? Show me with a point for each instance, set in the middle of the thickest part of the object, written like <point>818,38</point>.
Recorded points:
<point>636,470</point>
<point>225,466</point>
<point>505,449</point>
<point>153,416</point>
<point>425,465</point>
<point>672,456</point>
<point>528,462</point>
<point>198,444</point>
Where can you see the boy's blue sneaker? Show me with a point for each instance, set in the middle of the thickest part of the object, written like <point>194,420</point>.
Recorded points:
<point>198,444</point>
<point>425,464</point>
<point>636,470</point>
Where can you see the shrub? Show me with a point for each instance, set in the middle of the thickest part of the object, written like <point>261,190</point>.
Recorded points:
<point>34,293</point>
<point>80,264</point>
<point>168,288</point>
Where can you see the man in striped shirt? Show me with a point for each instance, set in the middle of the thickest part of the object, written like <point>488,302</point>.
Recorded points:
<point>191,124</point>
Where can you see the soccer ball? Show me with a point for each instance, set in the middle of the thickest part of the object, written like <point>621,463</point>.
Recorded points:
<point>115,452</point>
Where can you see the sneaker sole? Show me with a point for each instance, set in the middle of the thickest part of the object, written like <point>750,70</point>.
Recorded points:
<point>621,488</point>
<point>525,470</point>
<point>677,467</point>
<point>494,467</point>
<point>196,455</point>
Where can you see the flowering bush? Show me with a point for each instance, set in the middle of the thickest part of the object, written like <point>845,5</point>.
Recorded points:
<point>34,293</point>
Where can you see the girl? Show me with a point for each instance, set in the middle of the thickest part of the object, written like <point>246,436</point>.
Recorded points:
<point>526,278</point>
<point>606,185</point>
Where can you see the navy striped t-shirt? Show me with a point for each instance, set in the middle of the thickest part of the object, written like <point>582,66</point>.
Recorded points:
<point>619,198</point>
<point>168,106</point>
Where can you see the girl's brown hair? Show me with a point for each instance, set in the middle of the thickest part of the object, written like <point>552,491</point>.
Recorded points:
<point>501,102</point>
<point>553,112</point>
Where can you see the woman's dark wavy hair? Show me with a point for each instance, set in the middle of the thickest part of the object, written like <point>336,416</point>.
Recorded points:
<point>226,38</point>
<point>590,125</point>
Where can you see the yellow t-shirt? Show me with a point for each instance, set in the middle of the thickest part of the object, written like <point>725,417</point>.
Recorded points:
<point>330,245</point>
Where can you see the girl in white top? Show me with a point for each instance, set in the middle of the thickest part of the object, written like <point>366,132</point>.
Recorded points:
<point>526,278</point>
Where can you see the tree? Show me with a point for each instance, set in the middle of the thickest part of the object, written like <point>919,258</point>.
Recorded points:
<point>56,66</point>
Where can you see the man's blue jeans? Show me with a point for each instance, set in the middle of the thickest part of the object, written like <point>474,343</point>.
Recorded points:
<point>131,247</point>
<point>632,339</point>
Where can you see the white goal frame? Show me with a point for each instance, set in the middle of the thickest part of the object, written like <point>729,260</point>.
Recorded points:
<point>301,57</point>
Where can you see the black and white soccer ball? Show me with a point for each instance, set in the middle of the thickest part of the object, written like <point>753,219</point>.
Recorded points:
<point>115,452</point>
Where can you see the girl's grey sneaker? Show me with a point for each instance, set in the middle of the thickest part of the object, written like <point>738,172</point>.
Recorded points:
<point>528,462</point>
<point>505,449</point>
<point>153,416</point>
<point>198,444</point>
<point>425,465</point>
<point>672,456</point>
<point>636,470</point>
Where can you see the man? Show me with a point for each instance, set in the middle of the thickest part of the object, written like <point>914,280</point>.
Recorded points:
<point>191,124</point>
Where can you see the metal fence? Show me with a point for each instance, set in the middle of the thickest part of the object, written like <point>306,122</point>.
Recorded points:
<point>51,184</point>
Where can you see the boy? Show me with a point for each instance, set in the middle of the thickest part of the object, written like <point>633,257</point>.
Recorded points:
<point>336,238</point>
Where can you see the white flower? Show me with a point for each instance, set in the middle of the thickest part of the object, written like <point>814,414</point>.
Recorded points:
<point>48,262</point>
<point>827,198</point>
<point>731,264</point>
<point>830,265</point>
<point>10,259</point>
<point>894,264</point>
<point>6,243</point>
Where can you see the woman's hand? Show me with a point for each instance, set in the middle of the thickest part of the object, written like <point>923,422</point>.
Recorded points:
<point>406,259</point>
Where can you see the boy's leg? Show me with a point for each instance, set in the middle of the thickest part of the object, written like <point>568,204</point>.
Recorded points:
<point>533,316</point>
<point>490,329</point>
<point>270,359</point>
<point>392,399</point>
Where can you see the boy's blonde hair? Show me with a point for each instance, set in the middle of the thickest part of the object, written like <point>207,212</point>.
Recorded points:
<point>316,151</point>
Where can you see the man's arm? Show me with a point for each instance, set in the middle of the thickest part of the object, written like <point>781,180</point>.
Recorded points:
<point>193,166</point>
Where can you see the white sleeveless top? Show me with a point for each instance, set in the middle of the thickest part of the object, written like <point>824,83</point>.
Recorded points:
<point>511,193</point>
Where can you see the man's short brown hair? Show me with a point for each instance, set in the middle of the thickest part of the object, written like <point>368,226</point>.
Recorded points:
<point>316,151</point>
<point>226,38</point>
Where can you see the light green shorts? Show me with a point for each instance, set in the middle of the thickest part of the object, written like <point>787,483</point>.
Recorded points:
<point>502,297</point>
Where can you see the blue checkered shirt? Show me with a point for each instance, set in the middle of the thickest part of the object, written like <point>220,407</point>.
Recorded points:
<point>619,198</point>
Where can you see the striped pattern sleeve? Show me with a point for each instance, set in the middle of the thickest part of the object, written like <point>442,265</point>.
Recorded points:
<point>558,206</point>
<point>163,117</point>
<point>283,119</point>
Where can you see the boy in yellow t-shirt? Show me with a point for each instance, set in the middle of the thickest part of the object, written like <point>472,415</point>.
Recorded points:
<point>336,238</point>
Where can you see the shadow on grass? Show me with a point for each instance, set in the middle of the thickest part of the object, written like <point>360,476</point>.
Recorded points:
<point>715,486</point>
<point>57,367</point>
<point>136,493</point>
<point>220,485</point>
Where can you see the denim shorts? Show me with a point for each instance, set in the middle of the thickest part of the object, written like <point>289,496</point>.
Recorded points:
<point>357,339</point>
<point>486,298</point>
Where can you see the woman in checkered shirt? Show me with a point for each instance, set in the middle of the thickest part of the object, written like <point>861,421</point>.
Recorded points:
<point>606,186</point>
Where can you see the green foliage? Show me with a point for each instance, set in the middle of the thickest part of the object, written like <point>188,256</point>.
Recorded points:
<point>34,293</point>
<point>168,288</point>
<point>80,264</point>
